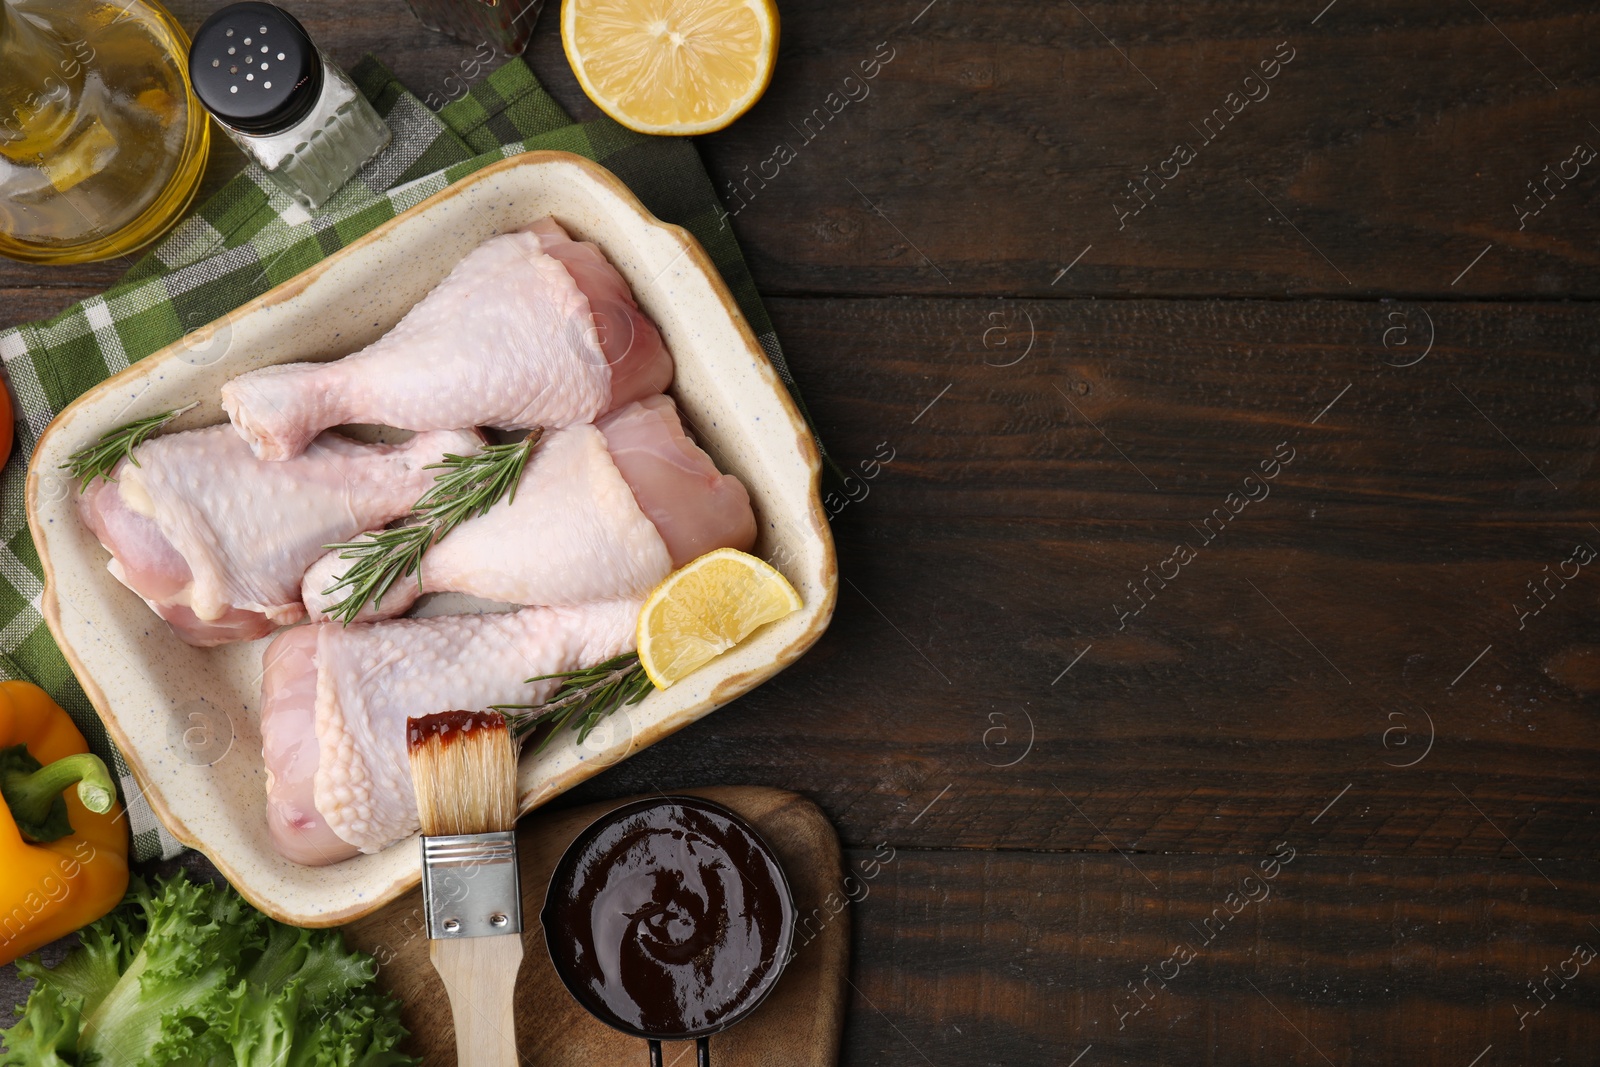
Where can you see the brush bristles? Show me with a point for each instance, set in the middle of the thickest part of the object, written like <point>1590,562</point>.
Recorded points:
<point>464,770</point>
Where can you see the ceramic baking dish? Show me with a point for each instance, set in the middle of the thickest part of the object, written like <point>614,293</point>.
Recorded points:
<point>187,718</point>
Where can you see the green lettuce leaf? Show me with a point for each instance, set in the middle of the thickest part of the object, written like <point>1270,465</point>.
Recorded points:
<point>189,975</point>
<point>180,981</point>
<point>46,1035</point>
<point>300,978</point>
<point>91,972</point>
<point>361,1031</point>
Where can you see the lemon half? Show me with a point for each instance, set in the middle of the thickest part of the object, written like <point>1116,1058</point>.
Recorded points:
<point>706,608</point>
<point>671,66</point>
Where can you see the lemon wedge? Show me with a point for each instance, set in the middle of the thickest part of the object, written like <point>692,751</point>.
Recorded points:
<point>671,66</point>
<point>705,608</point>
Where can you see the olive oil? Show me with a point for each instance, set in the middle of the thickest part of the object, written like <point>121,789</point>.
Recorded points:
<point>102,143</point>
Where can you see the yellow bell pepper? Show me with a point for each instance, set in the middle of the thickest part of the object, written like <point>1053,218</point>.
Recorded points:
<point>65,858</point>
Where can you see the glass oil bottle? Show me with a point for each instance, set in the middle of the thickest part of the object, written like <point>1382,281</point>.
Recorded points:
<point>102,142</point>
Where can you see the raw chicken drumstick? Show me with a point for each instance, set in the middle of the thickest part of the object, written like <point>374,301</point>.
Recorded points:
<point>335,700</point>
<point>531,329</point>
<point>217,541</point>
<point>602,511</point>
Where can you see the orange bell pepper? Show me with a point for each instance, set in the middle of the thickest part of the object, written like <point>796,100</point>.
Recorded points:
<point>65,857</point>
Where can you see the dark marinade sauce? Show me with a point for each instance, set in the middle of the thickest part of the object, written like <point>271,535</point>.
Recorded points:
<point>670,919</point>
<point>449,726</point>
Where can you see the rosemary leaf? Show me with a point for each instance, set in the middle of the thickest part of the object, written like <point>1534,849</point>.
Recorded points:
<point>468,486</point>
<point>101,458</point>
<point>471,485</point>
<point>584,697</point>
<point>381,559</point>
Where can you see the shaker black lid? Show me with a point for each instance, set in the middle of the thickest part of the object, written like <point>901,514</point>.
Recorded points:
<point>254,67</point>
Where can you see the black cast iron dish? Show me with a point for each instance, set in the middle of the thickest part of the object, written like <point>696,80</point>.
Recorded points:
<point>669,919</point>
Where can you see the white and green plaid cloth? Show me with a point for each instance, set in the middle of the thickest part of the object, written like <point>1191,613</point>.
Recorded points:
<point>250,237</point>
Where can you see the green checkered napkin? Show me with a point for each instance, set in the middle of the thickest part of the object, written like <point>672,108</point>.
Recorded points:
<point>250,237</point>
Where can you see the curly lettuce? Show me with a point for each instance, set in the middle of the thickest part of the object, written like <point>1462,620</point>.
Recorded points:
<point>188,975</point>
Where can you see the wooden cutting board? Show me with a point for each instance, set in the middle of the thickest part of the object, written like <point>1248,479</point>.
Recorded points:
<point>797,1025</point>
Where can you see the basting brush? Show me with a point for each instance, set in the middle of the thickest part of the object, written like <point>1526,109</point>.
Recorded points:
<point>464,770</point>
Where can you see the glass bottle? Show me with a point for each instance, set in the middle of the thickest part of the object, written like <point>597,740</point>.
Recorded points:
<point>280,100</point>
<point>102,143</point>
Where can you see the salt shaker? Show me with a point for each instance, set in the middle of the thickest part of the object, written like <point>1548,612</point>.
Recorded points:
<point>297,115</point>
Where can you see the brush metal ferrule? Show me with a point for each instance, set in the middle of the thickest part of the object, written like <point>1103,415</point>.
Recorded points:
<point>470,886</point>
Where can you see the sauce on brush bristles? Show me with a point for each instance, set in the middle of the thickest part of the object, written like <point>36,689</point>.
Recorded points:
<point>464,769</point>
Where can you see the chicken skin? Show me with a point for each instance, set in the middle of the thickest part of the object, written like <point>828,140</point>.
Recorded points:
<point>530,329</point>
<point>602,511</point>
<point>217,542</point>
<point>335,700</point>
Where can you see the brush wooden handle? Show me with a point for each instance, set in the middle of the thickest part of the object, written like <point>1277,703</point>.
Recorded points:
<point>480,975</point>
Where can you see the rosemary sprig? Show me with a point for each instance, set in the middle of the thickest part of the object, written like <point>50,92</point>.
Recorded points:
<point>471,485</point>
<point>101,458</point>
<point>583,698</point>
<point>382,558</point>
<point>467,487</point>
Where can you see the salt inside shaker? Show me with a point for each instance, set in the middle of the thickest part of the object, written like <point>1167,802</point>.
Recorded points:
<point>255,69</point>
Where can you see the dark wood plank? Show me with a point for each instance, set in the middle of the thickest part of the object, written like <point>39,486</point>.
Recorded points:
<point>1108,412</point>
<point>1004,958</point>
<point>997,143</point>
<point>1308,646</point>
<point>30,304</point>
<point>1211,723</point>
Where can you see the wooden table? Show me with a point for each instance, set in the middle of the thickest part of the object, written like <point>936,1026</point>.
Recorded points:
<point>1216,657</point>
